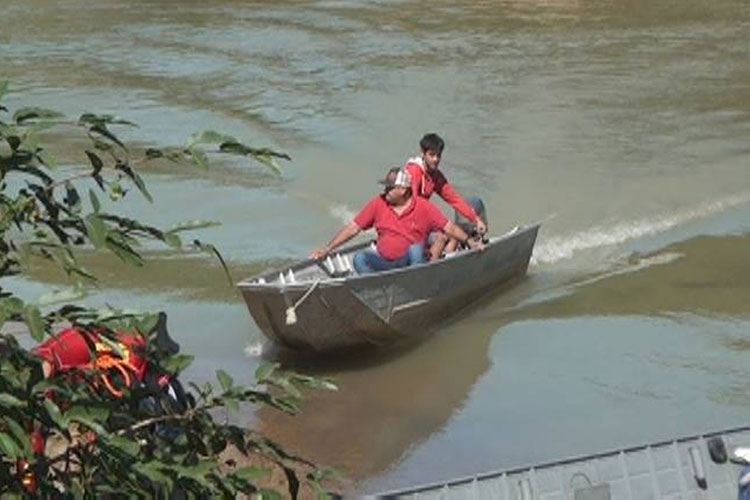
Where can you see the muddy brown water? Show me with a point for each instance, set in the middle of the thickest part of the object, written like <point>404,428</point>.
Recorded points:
<point>622,124</point>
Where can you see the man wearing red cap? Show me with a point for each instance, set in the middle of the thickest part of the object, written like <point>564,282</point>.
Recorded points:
<point>402,222</point>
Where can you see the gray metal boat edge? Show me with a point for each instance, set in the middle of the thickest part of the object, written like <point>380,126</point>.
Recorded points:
<point>326,305</point>
<point>681,468</point>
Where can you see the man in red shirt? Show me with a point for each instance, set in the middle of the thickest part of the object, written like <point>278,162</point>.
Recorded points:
<point>427,179</point>
<point>402,222</point>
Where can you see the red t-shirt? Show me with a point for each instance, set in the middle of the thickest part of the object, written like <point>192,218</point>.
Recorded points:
<point>396,233</point>
<point>423,184</point>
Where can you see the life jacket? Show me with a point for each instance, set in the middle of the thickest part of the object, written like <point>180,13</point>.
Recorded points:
<point>76,351</point>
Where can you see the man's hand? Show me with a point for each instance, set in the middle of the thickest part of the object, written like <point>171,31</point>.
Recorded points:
<point>475,244</point>
<point>319,253</point>
<point>481,226</point>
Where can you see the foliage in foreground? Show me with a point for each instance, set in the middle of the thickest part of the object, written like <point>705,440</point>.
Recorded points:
<point>145,443</point>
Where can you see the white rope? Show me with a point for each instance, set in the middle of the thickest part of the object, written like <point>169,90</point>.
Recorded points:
<point>291,313</point>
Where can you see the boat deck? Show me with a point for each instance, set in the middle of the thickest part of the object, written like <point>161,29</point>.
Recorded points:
<point>677,469</point>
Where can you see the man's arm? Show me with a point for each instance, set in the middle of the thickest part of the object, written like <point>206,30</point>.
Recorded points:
<point>450,195</point>
<point>415,172</point>
<point>455,231</point>
<point>347,233</point>
<point>447,192</point>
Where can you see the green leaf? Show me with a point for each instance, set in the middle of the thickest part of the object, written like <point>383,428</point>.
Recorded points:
<point>101,129</point>
<point>95,161</point>
<point>72,198</point>
<point>55,413</point>
<point>190,225</point>
<point>151,470</point>
<point>172,240</point>
<point>210,249</point>
<point>32,316</point>
<point>208,137</point>
<point>232,404</point>
<point>101,145</point>
<point>96,229</point>
<point>177,363</point>
<point>138,180</point>
<point>114,345</point>
<point>268,161</point>
<point>199,158</point>
<point>31,113</point>
<point>284,404</point>
<point>152,153</point>
<point>12,304</point>
<point>123,252</point>
<point>72,268</point>
<point>198,471</point>
<point>265,370</point>
<point>94,119</point>
<point>94,201</point>
<point>290,389</point>
<point>10,400</point>
<point>266,494</point>
<point>225,379</point>
<point>147,323</point>
<point>20,435</point>
<point>315,382</point>
<point>115,191</point>
<point>204,392</point>
<point>44,386</point>
<point>125,445</point>
<point>251,474</point>
<point>91,417</point>
<point>76,485</point>
<point>265,156</point>
<point>9,307</point>
<point>70,294</point>
<point>9,446</point>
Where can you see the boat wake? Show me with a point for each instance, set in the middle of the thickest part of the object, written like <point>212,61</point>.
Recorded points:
<point>559,248</point>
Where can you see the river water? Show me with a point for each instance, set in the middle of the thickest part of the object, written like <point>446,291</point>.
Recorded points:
<point>622,124</point>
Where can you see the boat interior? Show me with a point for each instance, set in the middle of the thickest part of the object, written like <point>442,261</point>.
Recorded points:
<point>337,265</point>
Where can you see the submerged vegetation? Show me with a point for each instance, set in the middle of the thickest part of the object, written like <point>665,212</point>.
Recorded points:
<point>143,443</point>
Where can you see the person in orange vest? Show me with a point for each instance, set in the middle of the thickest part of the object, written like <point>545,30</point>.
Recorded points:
<point>426,179</point>
<point>75,351</point>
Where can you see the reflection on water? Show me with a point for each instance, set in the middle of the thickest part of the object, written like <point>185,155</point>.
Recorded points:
<point>387,404</point>
<point>391,400</point>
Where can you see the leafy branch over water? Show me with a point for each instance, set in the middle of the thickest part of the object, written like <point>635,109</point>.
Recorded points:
<point>145,443</point>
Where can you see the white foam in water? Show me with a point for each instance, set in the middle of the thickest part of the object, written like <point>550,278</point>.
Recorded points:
<point>254,350</point>
<point>565,247</point>
<point>342,212</point>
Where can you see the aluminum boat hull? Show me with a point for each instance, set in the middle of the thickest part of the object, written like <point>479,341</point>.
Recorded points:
<point>335,308</point>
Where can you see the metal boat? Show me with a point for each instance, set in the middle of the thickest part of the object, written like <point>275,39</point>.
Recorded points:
<point>704,466</point>
<point>326,305</point>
